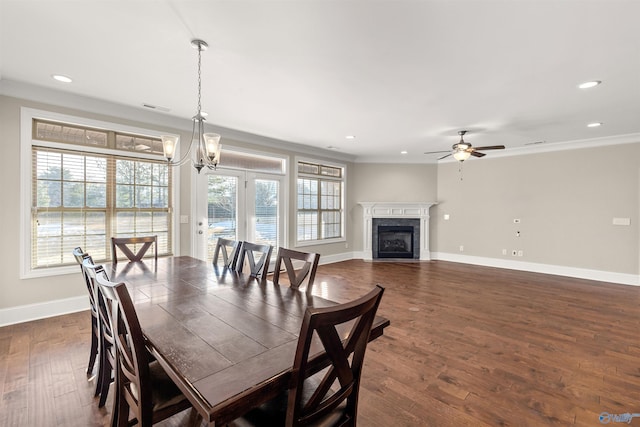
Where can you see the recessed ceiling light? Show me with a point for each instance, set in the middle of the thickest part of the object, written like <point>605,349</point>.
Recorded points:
<point>350,137</point>
<point>594,125</point>
<point>403,152</point>
<point>589,84</point>
<point>61,78</point>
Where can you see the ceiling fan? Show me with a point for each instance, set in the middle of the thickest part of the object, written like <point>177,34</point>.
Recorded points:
<point>463,150</point>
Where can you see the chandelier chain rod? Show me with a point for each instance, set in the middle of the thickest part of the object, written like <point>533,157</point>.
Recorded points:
<point>199,78</point>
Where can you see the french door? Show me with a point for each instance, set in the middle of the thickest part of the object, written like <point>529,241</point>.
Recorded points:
<point>238,205</point>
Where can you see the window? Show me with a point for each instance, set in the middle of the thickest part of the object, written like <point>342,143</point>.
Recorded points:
<point>90,184</point>
<point>320,202</point>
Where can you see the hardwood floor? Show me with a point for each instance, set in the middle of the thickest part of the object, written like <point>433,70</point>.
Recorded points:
<point>467,345</point>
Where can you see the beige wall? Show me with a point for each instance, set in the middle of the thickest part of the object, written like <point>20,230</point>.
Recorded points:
<point>370,182</point>
<point>566,201</point>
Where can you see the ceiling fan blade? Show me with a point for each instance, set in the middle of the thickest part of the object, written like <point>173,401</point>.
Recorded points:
<point>444,157</point>
<point>477,154</point>
<point>490,147</point>
<point>436,152</point>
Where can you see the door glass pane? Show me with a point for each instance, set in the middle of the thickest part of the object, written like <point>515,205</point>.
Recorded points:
<point>221,210</point>
<point>266,213</point>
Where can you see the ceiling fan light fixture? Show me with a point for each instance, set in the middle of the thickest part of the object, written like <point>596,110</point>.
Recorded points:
<point>461,155</point>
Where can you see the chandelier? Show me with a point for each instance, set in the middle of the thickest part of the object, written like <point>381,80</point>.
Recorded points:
<point>204,148</point>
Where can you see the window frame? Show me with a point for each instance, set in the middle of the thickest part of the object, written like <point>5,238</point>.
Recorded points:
<point>343,201</point>
<point>27,142</point>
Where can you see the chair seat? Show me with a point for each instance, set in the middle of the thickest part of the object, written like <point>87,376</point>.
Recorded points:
<point>164,391</point>
<point>274,413</point>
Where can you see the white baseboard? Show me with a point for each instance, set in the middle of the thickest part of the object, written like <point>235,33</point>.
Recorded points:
<point>26,313</point>
<point>330,259</point>
<point>580,273</point>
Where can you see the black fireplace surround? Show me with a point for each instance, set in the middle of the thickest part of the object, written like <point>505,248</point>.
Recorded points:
<point>395,238</point>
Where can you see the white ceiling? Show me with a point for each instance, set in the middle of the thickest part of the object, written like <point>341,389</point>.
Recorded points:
<point>399,75</point>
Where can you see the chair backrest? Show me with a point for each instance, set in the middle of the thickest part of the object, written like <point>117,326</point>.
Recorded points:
<point>296,278</point>
<point>345,360</point>
<point>104,307</point>
<point>258,268</point>
<point>91,271</point>
<point>229,250</point>
<point>123,243</point>
<point>132,360</point>
<point>80,256</point>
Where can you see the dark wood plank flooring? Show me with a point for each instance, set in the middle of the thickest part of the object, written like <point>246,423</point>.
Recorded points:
<point>467,346</point>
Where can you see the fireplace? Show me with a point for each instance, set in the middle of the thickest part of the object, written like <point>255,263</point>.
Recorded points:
<point>402,243</point>
<point>396,238</point>
<point>395,242</point>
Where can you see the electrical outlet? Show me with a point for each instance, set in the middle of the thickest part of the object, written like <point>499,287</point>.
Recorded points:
<point>514,253</point>
<point>520,252</point>
<point>461,248</point>
<point>504,252</point>
<point>346,245</point>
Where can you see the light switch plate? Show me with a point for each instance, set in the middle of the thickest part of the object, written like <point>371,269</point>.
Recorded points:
<point>621,221</point>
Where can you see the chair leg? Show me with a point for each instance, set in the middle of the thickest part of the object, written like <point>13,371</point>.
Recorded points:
<point>94,347</point>
<point>105,382</point>
<point>116,418</point>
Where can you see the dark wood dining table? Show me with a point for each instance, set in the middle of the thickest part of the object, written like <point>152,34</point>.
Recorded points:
<point>226,339</point>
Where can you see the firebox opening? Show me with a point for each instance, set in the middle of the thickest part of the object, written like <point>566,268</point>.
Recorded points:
<point>395,241</point>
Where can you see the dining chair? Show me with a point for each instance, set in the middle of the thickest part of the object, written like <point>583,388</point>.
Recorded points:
<point>249,252</point>
<point>79,255</point>
<point>123,243</point>
<point>326,396</point>
<point>143,388</point>
<point>106,342</point>
<point>229,250</point>
<point>296,278</point>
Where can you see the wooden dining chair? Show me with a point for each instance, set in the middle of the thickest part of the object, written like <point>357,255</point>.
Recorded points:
<point>106,342</point>
<point>124,243</point>
<point>329,396</point>
<point>79,255</point>
<point>257,258</point>
<point>295,277</point>
<point>143,388</point>
<point>229,250</point>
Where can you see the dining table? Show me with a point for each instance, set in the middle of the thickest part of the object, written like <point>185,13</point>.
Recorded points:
<point>226,339</point>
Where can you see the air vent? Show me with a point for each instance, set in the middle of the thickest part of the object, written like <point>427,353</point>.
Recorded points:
<point>156,107</point>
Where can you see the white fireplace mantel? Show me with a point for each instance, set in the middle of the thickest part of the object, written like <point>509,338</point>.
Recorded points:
<point>418,210</point>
